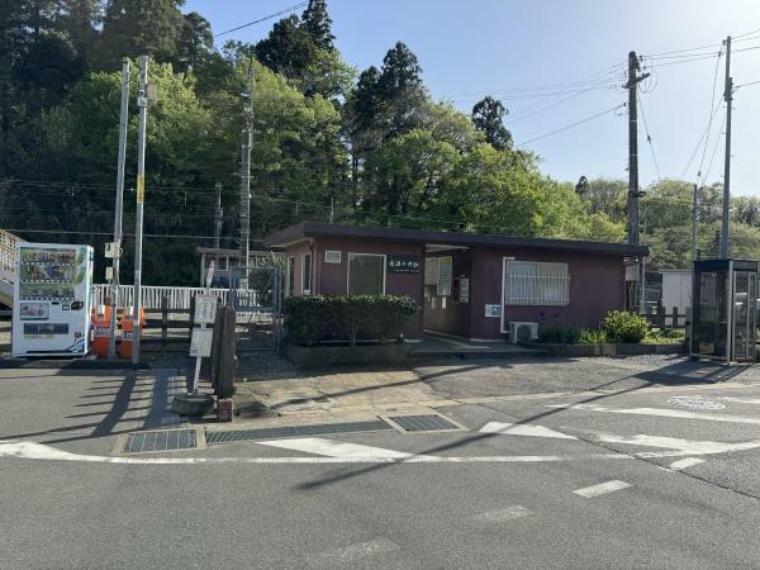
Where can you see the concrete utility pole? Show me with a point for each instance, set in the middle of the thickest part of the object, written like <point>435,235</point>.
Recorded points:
<point>694,222</point>
<point>119,209</point>
<point>728,96</point>
<point>142,104</point>
<point>245,184</point>
<point>633,168</point>
<point>218,224</point>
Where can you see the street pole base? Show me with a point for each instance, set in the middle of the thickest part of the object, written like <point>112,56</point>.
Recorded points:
<point>194,405</point>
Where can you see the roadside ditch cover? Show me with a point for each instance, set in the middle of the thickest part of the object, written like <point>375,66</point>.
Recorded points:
<point>425,422</point>
<point>695,403</point>
<point>163,440</point>
<point>226,436</point>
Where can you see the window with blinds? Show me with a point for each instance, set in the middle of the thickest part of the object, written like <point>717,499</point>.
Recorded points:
<point>536,283</point>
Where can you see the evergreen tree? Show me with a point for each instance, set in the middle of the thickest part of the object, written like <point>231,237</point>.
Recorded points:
<point>288,49</point>
<point>140,27</point>
<point>488,116</point>
<point>317,22</point>
<point>401,91</point>
<point>195,43</point>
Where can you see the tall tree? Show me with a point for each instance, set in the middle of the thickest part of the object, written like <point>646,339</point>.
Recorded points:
<point>137,27</point>
<point>488,116</point>
<point>288,49</point>
<point>195,43</point>
<point>317,22</point>
<point>401,90</point>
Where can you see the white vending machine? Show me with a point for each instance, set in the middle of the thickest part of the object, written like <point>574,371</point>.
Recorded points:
<point>52,298</point>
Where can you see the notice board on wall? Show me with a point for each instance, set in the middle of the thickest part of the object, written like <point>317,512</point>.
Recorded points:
<point>431,271</point>
<point>445,266</point>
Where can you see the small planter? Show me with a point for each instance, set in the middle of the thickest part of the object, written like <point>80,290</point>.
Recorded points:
<point>607,349</point>
<point>324,356</point>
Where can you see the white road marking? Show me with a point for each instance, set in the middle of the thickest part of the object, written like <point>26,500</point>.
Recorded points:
<point>740,400</point>
<point>685,463</point>
<point>661,412</point>
<point>504,515</point>
<point>33,450</point>
<point>331,448</point>
<point>529,430</point>
<point>602,489</point>
<point>352,554</point>
<point>684,446</point>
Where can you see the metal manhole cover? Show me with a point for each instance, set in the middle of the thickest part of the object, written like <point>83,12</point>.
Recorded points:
<point>164,440</point>
<point>293,431</point>
<point>695,403</point>
<point>426,422</point>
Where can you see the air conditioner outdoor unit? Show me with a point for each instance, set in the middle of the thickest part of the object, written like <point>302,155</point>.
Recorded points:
<point>522,331</point>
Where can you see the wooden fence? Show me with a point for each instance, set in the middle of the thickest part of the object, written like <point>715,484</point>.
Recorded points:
<point>660,317</point>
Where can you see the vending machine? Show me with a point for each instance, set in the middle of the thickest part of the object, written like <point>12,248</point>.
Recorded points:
<point>52,298</point>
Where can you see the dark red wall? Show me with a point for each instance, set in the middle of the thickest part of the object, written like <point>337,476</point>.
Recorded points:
<point>597,284</point>
<point>455,318</point>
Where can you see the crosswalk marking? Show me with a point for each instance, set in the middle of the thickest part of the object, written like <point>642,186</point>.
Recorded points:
<point>662,412</point>
<point>602,489</point>
<point>352,554</point>
<point>686,446</point>
<point>529,430</point>
<point>331,448</point>
<point>504,515</point>
<point>685,463</point>
<point>740,400</point>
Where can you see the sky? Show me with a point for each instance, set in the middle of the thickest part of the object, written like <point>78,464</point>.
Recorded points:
<point>513,49</point>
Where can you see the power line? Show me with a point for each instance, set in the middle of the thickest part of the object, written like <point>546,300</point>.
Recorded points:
<point>577,123</point>
<point>714,111</point>
<point>649,138</point>
<point>264,19</point>
<point>710,120</point>
<point>746,84</point>
<point>715,150</point>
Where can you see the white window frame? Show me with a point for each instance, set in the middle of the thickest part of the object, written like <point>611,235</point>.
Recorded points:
<point>352,254</point>
<point>306,287</point>
<point>224,263</point>
<point>504,303</point>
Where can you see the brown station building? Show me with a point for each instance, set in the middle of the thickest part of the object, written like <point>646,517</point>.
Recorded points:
<point>470,285</point>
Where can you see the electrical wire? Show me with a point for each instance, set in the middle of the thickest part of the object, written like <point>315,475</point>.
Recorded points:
<point>699,142</point>
<point>264,19</point>
<point>572,125</point>
<point>709,122</point>
<point>746,84</point>
<point>715,150</point>
<point>649,139</point>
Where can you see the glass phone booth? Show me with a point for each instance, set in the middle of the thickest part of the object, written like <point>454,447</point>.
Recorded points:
<point>725,306</point>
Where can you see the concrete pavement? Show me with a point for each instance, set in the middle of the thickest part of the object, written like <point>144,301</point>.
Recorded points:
<point>650,475</point>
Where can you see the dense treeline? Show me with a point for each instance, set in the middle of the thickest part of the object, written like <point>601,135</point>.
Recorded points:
<point>373,145</point>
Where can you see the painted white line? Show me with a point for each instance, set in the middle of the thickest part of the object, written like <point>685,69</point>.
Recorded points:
<point>740,400</point>
<point>683,446</point>
<point>504,515</point>
<point>528,430</point>
<point>352,554</point>
<point>685,463</point>
<point>602,489</point>
<point>330,448</point>
<point>662,412</point>
<point>32,450</point>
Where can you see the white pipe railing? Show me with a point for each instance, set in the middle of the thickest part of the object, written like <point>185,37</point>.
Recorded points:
<point>177,297</point>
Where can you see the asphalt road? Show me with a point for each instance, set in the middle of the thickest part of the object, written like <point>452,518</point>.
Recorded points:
<point>643,477</point>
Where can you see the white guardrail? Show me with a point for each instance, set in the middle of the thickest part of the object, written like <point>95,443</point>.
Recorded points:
<point>177,297</point>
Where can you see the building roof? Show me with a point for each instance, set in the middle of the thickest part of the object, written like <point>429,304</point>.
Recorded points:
<point>295,234</point>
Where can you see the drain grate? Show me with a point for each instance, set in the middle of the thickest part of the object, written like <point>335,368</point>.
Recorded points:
<point>427,422</point>
<point>165,440</point>
<point>293,431</point>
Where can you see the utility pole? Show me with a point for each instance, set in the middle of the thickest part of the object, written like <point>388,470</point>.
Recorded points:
<point>142,104</point>
<point>119,208</point>
<point>694,222</point>
<point>218,224</point>
<point>728,96</point>
<point>245,183</point>
<point>633,167</point>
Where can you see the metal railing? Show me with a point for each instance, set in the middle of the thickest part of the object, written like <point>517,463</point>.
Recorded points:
<point>177,297</point>
<point>537,289</point>
<point>8,243</point>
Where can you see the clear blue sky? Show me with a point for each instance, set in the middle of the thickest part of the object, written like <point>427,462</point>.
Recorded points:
<point>470,48</point>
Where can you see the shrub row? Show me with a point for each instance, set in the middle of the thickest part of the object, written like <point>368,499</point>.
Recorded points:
<point>619,326</point>
<point>313,319</point>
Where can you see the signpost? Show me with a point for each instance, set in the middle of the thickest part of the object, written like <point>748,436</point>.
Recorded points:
<point>200,342</point>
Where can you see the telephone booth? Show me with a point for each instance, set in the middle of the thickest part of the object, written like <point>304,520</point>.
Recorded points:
<point>724,309</point>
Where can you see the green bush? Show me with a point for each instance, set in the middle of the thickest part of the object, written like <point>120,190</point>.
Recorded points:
<point>313,319</point>
<point>592,336</point>
<point>559,334</point>
<point>622,326</point>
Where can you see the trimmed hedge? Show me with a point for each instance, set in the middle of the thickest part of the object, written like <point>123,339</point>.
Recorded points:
<point>313,319</point>
<point>622,326</point>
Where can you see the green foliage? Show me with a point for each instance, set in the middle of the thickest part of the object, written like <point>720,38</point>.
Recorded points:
<point>622,326</point>
<point>593,336</point>
<point>559,334</point>
<point>310,320</point>
<point>488,116</point>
